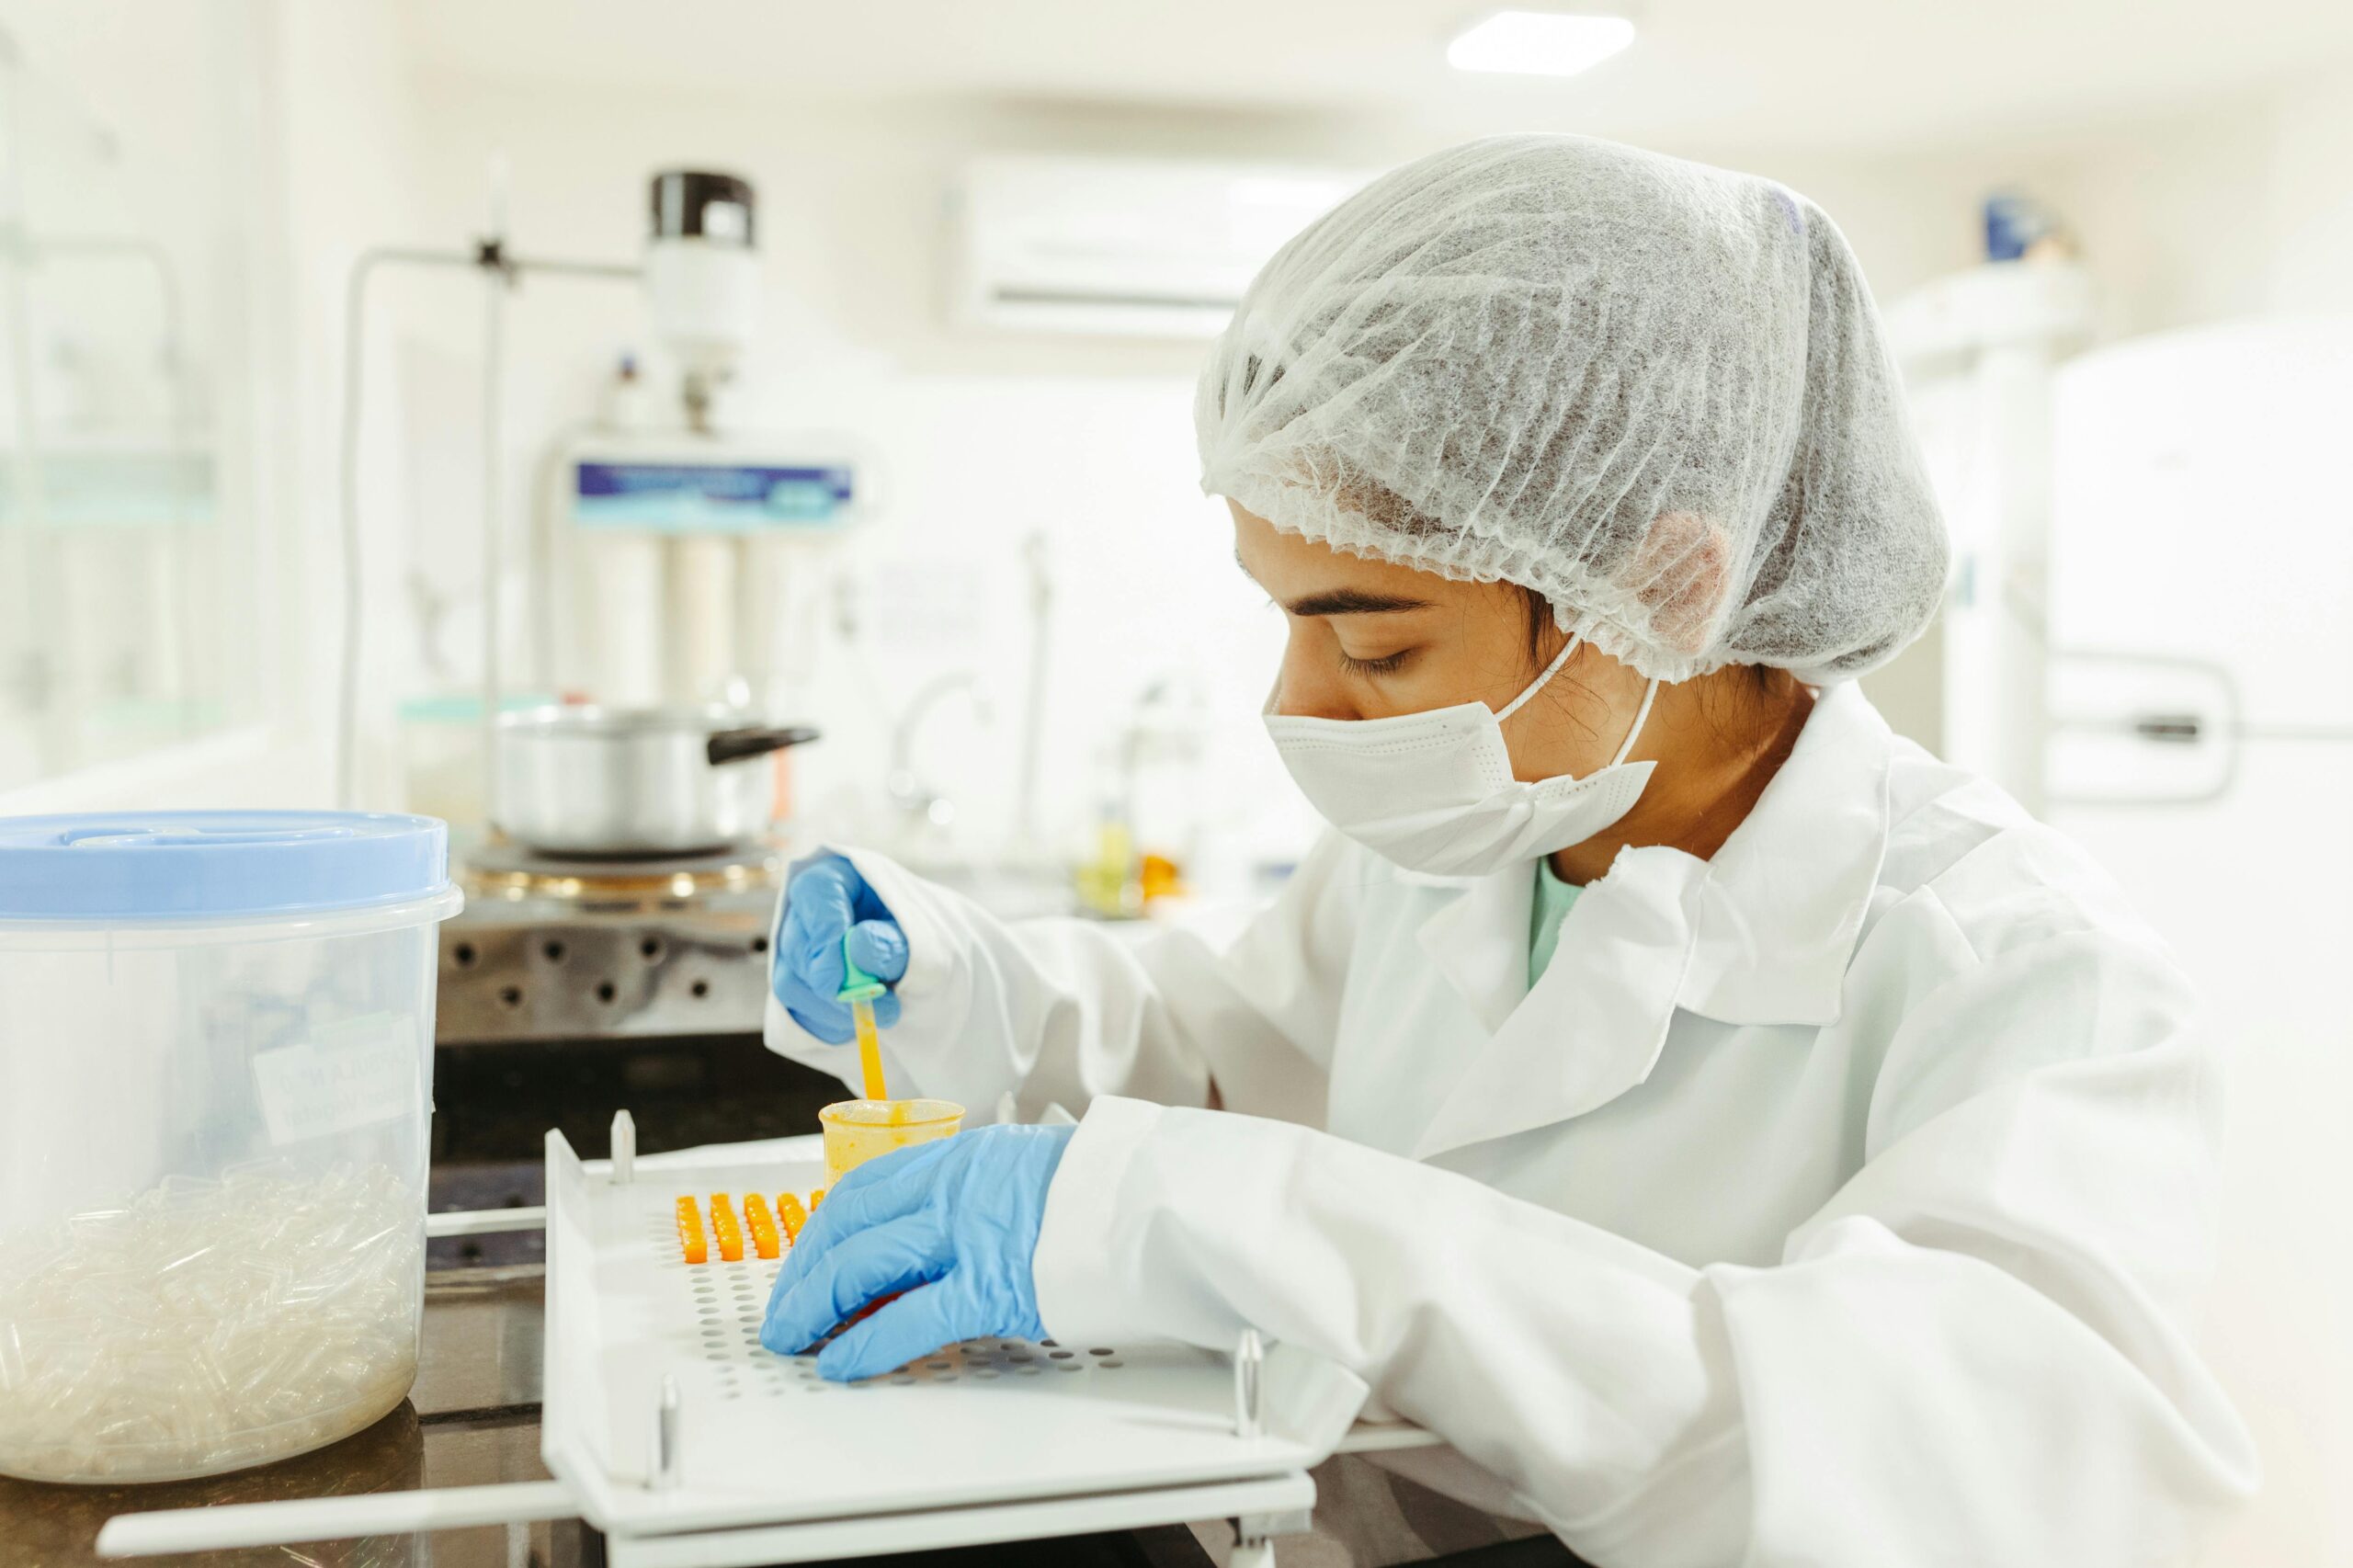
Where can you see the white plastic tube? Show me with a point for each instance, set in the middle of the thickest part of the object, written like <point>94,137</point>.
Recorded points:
<point>230,1525</point>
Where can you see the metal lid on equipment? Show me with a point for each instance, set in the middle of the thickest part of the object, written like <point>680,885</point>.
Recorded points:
<point>194,865</point>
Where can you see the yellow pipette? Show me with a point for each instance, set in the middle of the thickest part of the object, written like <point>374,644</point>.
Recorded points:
<point>859,989</point>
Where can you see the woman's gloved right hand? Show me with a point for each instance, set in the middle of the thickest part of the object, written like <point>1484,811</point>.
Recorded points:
<point>826,901</point>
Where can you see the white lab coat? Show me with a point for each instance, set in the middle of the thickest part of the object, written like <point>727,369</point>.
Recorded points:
<point>1845,1198</point>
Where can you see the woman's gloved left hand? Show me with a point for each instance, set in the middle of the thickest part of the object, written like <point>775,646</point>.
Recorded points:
<point>953,1224</point>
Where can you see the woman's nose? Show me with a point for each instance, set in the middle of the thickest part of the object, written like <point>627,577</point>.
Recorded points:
<point>1306,688</point>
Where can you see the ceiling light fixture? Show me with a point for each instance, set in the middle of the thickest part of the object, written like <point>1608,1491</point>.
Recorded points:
<point>1539,44</point>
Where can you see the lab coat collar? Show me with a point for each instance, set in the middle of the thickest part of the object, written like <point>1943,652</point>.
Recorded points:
<point>1762,933</point>
<point>1782,904</point>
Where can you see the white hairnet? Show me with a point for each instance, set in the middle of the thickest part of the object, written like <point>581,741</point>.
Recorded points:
<point>1652,392</point>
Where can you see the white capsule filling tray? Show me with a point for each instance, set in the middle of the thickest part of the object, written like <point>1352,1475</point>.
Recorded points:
<point>751,1438</point>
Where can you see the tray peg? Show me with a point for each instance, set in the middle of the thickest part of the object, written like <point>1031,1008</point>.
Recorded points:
<point>624,1148</point>
<point>1249,1385</point>
<point>1254,1536</point>
<point>663,1475</point>
<point>1259,1553</point>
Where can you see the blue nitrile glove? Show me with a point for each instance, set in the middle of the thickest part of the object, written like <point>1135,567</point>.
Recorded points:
<point>953,1224</point>
<point>825,900</point>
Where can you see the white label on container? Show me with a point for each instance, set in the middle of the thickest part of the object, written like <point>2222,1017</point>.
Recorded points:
<point>353,1076</point>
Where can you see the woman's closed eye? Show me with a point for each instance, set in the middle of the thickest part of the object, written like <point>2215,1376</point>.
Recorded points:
<point>1386,665</point>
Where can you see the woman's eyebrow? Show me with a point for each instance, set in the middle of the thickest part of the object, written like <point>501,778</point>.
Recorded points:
<point>1352,601</point>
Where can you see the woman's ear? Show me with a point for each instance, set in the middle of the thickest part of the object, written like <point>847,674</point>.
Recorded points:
<point>1680,573</point>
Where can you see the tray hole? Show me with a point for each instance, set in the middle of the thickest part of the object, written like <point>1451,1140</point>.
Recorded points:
<point>604,991</point>
<point>985,1372</point>
<point>552,952</point>
<point>1062,1355</point>
<point>902,1380</point>
<point>464,954</point>
<point>936,1366</point>
<point>1068,1366</point>
<point>945,1378</point>
<point>1031,1371</point>
<point>759,944</point>
<point>650,948</point>
<point>1115,1362</point>
<point>1102,1353</point>
<point>699,989</point>
<point>510,995</point>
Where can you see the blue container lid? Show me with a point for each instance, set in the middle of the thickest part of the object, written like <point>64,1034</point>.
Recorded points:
<point>194,865</point>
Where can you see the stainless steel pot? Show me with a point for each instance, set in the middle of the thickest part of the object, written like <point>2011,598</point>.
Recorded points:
<point>604,781</point>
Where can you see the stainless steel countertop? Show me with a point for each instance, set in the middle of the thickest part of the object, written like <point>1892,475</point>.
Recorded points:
<point>473,1418</point>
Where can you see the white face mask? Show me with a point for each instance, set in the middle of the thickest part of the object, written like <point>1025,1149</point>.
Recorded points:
<point>1433,791</point>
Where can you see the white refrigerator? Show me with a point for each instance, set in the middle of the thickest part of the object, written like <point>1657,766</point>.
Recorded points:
<point>2200,742</point>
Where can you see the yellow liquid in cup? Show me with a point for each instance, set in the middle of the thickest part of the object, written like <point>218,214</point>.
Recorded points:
<point>859,1131</point>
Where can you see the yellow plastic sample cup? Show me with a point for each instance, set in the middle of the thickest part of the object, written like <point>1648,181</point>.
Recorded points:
<point>859,1131</point>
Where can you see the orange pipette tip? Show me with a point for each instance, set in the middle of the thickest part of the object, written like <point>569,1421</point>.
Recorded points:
<point>790,1216</point>
<point>756,1221</point>
<point>690,1240</point>
<point>724,1230</point>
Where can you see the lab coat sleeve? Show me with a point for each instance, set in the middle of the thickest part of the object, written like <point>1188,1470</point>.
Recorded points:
<point>1977,1353</point>
<point>1054,1013</point>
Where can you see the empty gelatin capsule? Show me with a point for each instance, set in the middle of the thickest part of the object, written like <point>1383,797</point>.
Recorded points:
<point>724,1230</point>
<point>762,1227</point>
<point>791,1215</point>
<point>690,1240</point>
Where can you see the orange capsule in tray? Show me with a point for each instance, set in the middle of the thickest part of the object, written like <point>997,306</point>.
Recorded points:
<point>724,1230</point>
<point>790,1216</point>
<point>691,1241</point>
<point>757,1221</point>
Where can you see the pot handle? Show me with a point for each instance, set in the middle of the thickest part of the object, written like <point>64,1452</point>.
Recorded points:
<point>734,745</point>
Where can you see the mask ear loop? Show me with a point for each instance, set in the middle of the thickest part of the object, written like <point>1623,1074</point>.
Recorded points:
<point>1537,684</point>
<point>1650,694</point>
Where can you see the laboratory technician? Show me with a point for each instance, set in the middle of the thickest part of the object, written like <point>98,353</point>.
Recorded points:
<point>1744,1138</point>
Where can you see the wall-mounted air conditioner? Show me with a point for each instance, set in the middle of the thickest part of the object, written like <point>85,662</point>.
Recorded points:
<point>1122,247</point>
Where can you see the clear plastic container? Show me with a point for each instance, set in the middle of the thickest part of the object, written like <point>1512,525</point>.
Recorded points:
<point>859,1131</point>
<point>216,1036</point>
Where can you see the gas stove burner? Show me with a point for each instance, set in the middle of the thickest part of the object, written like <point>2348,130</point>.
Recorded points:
<point>553,949</point>
<point>502,866</point>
